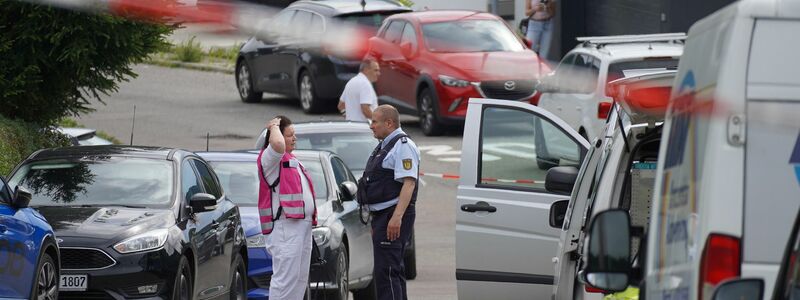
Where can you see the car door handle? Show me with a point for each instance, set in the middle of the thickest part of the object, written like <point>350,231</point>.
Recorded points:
<point>480,206</point>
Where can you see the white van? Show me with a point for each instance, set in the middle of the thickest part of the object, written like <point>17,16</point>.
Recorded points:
<point>726,188</point>
<point>619,172</point>
<point>504,245</point>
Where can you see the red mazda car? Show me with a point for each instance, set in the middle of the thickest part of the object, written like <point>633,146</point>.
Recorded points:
<point>432,62</point>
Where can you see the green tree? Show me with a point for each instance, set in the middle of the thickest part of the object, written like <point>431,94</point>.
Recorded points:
<point>407,3</point>
<point>54,61</point>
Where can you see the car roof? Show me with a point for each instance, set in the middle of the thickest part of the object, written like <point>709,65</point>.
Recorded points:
<point>339,7</point>
<point>433,16</point>
<point>627,51</point>
<point>332,126</point>
<point>76,132</point>
<point>251,155</point>
<point>107,150</point>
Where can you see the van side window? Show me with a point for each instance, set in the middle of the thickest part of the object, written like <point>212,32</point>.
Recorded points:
<point>518,147</point>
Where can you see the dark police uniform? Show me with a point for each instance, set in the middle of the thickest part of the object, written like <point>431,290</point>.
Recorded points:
<point>395,158</point>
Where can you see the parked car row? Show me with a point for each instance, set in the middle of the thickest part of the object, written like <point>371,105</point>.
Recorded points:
<point>688,190</point>
<point>113,222</point>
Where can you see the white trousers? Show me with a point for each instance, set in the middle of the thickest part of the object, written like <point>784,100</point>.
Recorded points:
<point>289,244</point>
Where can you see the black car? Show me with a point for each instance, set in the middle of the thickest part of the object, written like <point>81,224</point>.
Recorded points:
<point>345,260</point>
<point>302,67</point>
<point>137,222</point>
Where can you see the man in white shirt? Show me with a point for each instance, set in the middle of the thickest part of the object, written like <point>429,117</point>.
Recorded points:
<point>358,99</point>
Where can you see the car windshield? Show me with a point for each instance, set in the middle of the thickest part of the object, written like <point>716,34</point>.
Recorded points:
<point>240,181</point>
<point>102,181</point>
<point>353,148</point>
<point>470,36</point>
<point>370,20</point>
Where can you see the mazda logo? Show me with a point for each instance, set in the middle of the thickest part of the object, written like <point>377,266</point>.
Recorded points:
<point>510,85</point>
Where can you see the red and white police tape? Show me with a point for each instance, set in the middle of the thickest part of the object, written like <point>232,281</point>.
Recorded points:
<point>456,177</point>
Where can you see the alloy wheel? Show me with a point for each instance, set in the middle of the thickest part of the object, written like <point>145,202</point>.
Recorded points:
<point>243,80</point>
<point>427,113</point>
<point>184,287</point>
<point>344,290</point>
<point>46,285</point>
<point>306,96</point>
<point>239,281</point>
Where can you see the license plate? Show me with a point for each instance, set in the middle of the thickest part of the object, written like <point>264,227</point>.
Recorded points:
<point>74,282</point>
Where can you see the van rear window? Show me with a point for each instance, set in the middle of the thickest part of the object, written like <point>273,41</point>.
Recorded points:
<point>624,69</point>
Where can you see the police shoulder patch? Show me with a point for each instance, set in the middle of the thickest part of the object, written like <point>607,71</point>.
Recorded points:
<point>407,164</point>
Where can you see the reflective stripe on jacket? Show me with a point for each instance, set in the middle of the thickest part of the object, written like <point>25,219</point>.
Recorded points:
<point>290,195</point>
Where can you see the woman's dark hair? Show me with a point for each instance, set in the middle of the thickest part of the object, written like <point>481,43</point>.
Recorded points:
<point>285,122</point>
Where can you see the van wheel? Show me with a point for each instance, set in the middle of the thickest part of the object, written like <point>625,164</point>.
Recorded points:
<point>45,286</point>
<point>428,114</point>
<point>182,288</point>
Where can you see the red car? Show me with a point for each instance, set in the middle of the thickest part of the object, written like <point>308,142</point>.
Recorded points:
<point>432,62</point>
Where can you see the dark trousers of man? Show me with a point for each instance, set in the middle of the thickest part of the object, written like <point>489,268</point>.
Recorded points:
<point>390,272</point>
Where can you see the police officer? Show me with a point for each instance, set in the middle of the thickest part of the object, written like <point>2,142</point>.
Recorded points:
<point>389,187</point>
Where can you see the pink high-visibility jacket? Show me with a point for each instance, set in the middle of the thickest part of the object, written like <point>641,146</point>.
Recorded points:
<point>290,194</point>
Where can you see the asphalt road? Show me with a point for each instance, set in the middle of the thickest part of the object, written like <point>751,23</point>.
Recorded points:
<point>179,108</point>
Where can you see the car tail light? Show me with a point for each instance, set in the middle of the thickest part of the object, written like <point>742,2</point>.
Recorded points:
<point>603,108</point>
<point>721,260</point>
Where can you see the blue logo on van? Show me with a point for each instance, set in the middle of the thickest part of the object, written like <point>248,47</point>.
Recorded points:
<point>795,159</point>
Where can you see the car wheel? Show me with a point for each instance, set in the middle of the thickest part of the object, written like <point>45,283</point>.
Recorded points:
<point>244,84</point>
<point>428,117</point>
<point>367,293</point>
<point>182,288</point>
<point>410,259</point>
<point>46,284</point>
<point>308,96</point>
<point>238,279</point>
<point>343,290</point>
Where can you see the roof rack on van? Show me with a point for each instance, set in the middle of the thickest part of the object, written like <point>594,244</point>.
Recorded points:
<point>600,41</point>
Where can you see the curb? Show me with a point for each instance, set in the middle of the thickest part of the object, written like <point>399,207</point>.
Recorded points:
<point>191,66</point>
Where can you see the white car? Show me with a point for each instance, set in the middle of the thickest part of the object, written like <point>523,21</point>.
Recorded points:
<point>576,90</point>
<point>727,183</point>
<point>504,244</point>
<point>619,172</point>
<point>83,136</point>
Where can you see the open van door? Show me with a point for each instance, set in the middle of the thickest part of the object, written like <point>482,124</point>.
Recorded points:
<point>504,243</point>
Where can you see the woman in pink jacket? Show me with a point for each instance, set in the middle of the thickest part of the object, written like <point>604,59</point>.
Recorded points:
<point>287,210</point>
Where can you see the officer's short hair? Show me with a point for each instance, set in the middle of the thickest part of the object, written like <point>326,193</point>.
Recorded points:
<point>366,63</point>
<point>285,122</point>
<point>389,113</point>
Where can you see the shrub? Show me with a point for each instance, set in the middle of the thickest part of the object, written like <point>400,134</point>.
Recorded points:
<point>190,51</point>
<point>18,139</point>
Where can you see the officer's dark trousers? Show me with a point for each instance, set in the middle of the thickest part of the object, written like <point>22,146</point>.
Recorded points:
<point>390,273</point>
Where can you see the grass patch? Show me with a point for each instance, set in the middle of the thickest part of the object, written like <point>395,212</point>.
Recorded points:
<point>190,51</point>
<point>19,139</point>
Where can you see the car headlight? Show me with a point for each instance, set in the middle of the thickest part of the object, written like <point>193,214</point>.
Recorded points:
<point>143,242</point>
<point>321,235</point>
<point>256,241</point>
<point>452,81</point>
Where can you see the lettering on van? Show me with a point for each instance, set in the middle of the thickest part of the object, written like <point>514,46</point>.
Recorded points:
<point>679,197</point>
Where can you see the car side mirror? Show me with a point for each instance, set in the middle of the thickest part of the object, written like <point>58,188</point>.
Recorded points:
<point>558,210</point>
<point>743,288</point>
<point>22,198</point>
<point>348,190</point>
<point>202,202</point>
<point>406,49</point>
<point>608,263</point>
<point>560,180</point>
